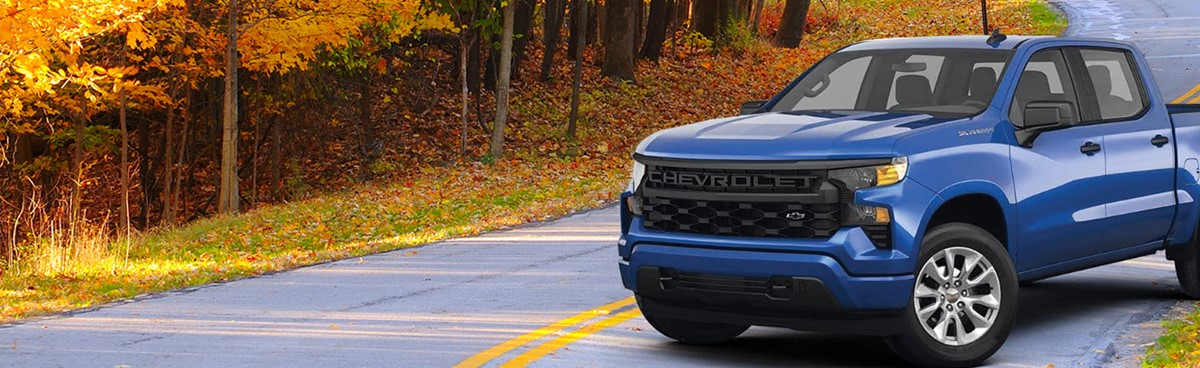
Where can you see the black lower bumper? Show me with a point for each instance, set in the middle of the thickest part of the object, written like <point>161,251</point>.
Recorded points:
<point>800,303</point>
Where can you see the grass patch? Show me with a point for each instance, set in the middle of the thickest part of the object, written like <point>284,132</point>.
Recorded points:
<point>1044,19</point>
<point>1179,346</point>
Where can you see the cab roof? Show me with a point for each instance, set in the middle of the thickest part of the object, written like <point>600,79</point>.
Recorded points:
<point>938,42</point>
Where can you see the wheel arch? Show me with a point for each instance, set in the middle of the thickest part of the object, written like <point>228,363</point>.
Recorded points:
<point>980,204</point>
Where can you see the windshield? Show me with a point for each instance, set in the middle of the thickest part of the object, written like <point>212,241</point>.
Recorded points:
<point>938,82</point>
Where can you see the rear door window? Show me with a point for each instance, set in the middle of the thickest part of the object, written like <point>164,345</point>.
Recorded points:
<point>1114,85</point>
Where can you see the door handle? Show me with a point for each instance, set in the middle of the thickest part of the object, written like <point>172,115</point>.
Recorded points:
<point>1159,140</point>
<point>1089,148</point>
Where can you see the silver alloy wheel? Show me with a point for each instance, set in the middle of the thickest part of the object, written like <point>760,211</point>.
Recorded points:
<point>957,296</point>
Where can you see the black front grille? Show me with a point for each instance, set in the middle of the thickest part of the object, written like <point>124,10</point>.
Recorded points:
<point>718,283</point>
<point>741,218</point>
<point>734,181</point>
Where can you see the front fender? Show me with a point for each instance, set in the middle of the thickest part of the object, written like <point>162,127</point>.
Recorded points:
<point>980,166</point>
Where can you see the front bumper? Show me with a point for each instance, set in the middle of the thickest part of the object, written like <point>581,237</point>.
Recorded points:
<point>801,303</point>
<point>840,283</point>
<point>801,291</point>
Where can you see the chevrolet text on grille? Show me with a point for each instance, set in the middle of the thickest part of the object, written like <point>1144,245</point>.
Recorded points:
<point>728,180</point>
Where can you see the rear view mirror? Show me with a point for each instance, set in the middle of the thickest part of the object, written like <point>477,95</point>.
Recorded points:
<point>816,88</point>
<point>909,67</point>
<point>1041,116</point>
<point>752,107</point>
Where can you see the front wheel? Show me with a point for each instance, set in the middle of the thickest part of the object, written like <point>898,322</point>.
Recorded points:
<point>963,302</point>
<point>695,333</point>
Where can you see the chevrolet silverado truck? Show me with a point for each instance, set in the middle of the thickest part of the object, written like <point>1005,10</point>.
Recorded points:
<point>906,187</point>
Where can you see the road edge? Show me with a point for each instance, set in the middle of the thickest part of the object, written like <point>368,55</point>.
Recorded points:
<point>1069,12</point>
<point>186,290</point>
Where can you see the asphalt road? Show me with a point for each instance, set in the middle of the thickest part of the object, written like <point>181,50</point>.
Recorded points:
<point>441,304</point>
<point>549,294</point>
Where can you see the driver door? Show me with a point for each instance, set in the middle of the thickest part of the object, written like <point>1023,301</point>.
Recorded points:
<point>1058,180</point>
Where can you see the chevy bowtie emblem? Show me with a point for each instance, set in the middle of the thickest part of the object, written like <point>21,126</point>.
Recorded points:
<point>796,215</point>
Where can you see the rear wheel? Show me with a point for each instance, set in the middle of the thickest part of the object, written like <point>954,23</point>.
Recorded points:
<point>695,333</point>
<point>1188,271</point>
<point>963,302</point>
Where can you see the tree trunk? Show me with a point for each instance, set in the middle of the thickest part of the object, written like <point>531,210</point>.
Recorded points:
<point>149,183</point>
<point>464,43</point>
<point>683,11</point>
<point>705,17</point>
<point>579,25</point>
<point>618,39</point>
<point>170,214</point>
<point>77,163</point>
<point>473,61</point>
<point>758,9</point>
<point>124,165</point>
<point>552,22</point>
<point>168,208</point>
<point>522,27</point>
<point>595,21</point>
<point>368,147</point>
<point>522,32</point>
<point>184,129</point>
<point>581,8</point>
<point>227,199</point>
<point>276,162</point>
<point>791,27</point>
<point>506,49</point>
<point>475,58</point>
<point>639,24</point>
<point>656,28</point>
<point>727,14</point>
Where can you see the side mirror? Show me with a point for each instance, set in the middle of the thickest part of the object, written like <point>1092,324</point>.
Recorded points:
<point>752,107</point>
<point>1042,116</point>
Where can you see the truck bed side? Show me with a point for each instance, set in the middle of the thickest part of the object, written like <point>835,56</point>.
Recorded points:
<point>1186,122</point>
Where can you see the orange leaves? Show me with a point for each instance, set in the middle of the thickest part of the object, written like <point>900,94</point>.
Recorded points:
<point>286,35</point>
<point>41,46</point>
<point>137,38</point>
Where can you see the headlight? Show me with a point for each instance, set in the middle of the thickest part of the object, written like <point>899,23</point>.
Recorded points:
<point>872,176</point>
<point>869,177</point>
<point>634,202</point>
<point>639,172</point>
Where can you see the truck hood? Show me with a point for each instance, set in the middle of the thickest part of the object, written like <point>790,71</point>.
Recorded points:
<point>788,136</point>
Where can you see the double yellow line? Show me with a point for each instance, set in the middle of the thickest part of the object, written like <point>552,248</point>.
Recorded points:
<point>1189,95</point>
<point>559,342</point>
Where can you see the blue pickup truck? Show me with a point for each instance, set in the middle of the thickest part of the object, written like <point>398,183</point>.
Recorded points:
<point>906,187</point>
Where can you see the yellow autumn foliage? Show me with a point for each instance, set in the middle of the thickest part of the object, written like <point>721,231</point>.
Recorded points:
<point>51,46</point>
<point>282,35</point>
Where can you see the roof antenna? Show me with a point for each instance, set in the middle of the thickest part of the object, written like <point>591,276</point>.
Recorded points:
<point>996,38</point>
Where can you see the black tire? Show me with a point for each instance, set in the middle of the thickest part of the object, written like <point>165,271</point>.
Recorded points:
<point>695,333</point>
<point>1188,271</point>
<point>916,346</point>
